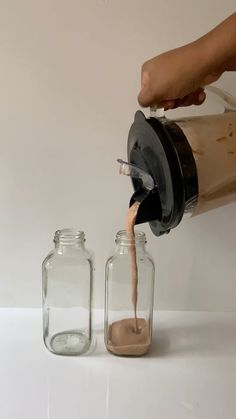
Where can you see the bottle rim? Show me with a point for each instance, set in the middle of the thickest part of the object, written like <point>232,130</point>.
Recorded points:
<point>121,237</point>
<point>69,234</point>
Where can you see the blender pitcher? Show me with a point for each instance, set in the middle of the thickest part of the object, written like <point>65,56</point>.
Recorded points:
<point>192,162</point>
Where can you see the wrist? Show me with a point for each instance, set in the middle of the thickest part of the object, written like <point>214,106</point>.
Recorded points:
<point>204,58</point>
<point>211,59</point>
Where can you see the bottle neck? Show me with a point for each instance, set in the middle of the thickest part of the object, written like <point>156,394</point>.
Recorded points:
<point>124,242</point>
<point>69,239</point>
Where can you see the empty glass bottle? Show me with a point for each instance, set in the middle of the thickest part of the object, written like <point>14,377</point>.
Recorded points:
<point>122,337</point>
<point>67,294</point>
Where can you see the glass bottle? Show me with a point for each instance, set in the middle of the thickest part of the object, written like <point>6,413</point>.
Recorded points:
<point>67,294</point>
<point>121,338</point>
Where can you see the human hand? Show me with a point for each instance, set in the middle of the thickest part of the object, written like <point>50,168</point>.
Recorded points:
<point>176,78</point>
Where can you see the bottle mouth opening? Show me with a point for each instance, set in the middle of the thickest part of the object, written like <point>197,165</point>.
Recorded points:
<point>140,237</point>
<point>69,235</point>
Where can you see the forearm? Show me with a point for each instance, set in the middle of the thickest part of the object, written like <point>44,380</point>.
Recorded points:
<point>219,46</point>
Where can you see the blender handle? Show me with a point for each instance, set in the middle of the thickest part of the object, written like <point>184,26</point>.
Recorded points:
<point>223,98</point>
<point>156,112</point>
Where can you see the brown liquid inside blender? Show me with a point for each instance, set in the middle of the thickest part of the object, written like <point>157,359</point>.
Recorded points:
<point>213,142</point>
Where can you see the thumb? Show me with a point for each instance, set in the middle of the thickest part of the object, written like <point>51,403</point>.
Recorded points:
<point>150,93</point>
<point>144,96</point>
<point>147,97</point>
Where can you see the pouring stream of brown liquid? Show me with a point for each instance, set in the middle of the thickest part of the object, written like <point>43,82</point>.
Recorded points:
<point>130,223</point>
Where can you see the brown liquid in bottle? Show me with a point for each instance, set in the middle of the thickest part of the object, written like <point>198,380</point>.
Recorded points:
<point>130,336</point>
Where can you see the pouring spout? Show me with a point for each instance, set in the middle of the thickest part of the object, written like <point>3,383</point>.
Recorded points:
<point>135,172</point>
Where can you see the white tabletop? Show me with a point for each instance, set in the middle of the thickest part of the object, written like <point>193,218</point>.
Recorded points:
<point>189,373</point>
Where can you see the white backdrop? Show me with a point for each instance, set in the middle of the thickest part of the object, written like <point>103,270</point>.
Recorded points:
<point>69,77</point>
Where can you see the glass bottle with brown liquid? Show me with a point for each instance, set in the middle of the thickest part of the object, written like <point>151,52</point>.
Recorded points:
<point>129,302</point>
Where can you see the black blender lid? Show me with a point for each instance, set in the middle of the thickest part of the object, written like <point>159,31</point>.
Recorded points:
<point>151,148</point>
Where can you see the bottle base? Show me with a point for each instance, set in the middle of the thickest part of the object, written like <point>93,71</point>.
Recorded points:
<point>124,341</point>
<point>131,351</point>
<point>70,342</point>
